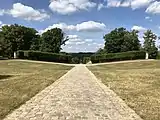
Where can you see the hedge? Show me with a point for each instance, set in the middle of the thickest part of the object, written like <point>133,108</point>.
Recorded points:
<point>158,55</point>
<point>110,57</point>
<point>44,56</point>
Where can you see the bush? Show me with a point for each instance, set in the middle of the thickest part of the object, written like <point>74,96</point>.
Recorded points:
<point>110,57</point>
<point>75,60</point>
<point>3,58</point>
<point>86,60</point>
<point>158,55</point>
<point>44,56</point>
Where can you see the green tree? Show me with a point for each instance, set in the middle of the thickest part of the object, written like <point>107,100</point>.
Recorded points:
<point>121,40</point>
<point>75,60</point>
<point>16,37</point>
<point>149,44</point>
<point>101,51</point>
<point>36,43</point>
<point>52,40</point>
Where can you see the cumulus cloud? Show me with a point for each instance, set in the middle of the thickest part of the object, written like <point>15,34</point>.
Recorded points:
<point>148,18</point>
<point>101,6</point>
<point>83,46</point>
<point>139,28</point>
<point>113,3</point>
<point>2,12</point>
<point>154,8</point>
<point>25,12</point>
<point>89,40</point>
<point>76,40</point>
<point>140,3</point>
<point>134,4</point>
<point>70,6</point>
<point>0,22</point>
<point>89,26</point>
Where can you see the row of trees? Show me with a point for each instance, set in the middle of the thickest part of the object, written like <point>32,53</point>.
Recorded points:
<point>16,37</point>
<point>121,40</point>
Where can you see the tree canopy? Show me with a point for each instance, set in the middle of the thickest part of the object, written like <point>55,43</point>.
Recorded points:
<point>149,44</point>
<point>16,37</point>
<point>121,40</point>
<point>52,40</point>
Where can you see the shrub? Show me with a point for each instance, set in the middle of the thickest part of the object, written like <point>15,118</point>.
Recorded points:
<point>110,57</point>
<point>86,60</point>
<point>44,56</point>
<point>158,56</point>
<point>3,58</point>
<point>75,60</point>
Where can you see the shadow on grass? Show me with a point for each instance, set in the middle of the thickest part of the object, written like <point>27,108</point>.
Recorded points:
<point>5,76</point>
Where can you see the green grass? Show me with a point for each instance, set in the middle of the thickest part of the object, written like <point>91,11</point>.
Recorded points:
<point>137,83</point>
<point>19,81</point>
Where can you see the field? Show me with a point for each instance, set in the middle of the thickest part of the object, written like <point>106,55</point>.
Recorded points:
<point>137,83</point>
<point>19,81</point>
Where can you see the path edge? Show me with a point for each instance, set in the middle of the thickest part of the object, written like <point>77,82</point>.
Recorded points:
<point>119,100</point>
<point>43,92</point>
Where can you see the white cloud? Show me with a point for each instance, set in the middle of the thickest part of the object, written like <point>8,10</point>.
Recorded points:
<point>89,26</point>
<point>140,3</point>
<point>147,17</point>
<point>113,3</point>
<point>26,12</point>
<point>70,6</point>
<point>72,37</point>
<point>88,40</point>
<point>154,8</point>
<point>74,40</point>
<point>2,12</point>
<point>101,6</point>
<point>134,4</point>
<point>80,43</point>
<point>0,22</point>
<point>139,28</point>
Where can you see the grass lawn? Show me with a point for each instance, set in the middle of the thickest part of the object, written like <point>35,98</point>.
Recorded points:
<point>19,81</point>
<point>137,83</point>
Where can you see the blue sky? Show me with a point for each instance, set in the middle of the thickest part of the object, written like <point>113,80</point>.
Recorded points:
<point>84,21</point>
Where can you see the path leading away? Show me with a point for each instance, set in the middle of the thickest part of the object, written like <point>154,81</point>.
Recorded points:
<point>78,95</point>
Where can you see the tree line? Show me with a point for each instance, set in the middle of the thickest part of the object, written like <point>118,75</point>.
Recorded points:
<point>121,40</point>
<point>17,37</point>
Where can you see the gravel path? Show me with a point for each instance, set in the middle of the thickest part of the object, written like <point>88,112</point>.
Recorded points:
<point>78,95</point>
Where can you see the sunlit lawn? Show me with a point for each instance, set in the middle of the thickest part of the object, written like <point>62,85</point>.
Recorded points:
<point>19,81</point>
<point>137,83</point>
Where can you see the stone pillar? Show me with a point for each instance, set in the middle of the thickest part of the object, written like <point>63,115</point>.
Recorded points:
<point>15,55</point>
<point>147,56</point>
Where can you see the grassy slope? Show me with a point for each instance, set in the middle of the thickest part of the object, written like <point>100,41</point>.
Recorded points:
<point>138,84</point>
<point>19,81</point>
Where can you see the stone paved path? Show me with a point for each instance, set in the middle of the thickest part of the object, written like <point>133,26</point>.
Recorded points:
<point>78,95</point>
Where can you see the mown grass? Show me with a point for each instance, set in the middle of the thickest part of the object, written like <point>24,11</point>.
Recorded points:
<point>137,83</point>
<point>19,81</point>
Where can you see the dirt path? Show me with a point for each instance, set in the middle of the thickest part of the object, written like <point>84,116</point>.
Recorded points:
<point>78,95</point>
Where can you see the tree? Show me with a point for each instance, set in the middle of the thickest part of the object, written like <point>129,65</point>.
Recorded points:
<point>52,40</point>
<point>149,44</point>
<point>16,37</point>
<point>36,43</point>
<point>121,40</point>
<point>75,60</point>
<point>101,51</point>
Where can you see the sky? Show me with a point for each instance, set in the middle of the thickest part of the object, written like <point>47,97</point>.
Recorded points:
<point>85,22</point>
